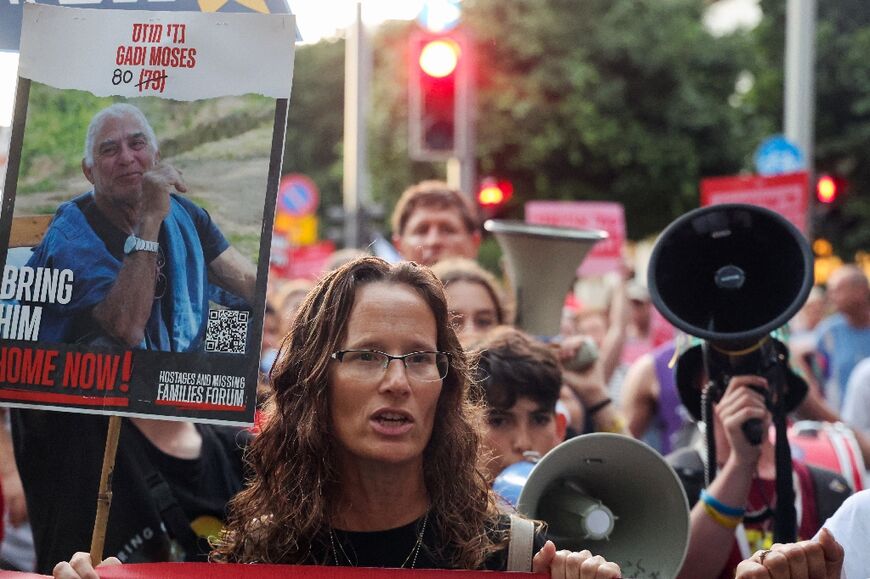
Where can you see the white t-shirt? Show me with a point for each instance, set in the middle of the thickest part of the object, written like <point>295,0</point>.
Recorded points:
<point>850,526</point>
<point>856,410</point>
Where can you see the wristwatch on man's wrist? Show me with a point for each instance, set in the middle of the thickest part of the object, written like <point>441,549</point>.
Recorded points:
<point>134,243</point>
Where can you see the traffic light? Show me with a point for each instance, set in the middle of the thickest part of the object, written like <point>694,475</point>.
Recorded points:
<point>829,188</point>
<point>438,95</point>
<point>493,195</point>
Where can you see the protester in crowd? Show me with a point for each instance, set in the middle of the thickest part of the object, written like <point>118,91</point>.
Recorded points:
<point>521,379</point>
<point>143,257</point>
<point>370,454</point>
<point>843,339</point>
<point>342,256</point>
<point>645,330</point>
<point>838,551</point>
<point>651,403</point>
<point>607,327</point>
<point>856,410</point>
<point>734,515</point>
<point>170,485</point>
<point>476,305</point>
<point>16,538</point>
<point>474,296</point>
<point>431,221</point>
<point>802,327</point>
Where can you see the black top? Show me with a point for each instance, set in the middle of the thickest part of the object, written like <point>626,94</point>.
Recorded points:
<point>395,548</point>
<point>60,457</point>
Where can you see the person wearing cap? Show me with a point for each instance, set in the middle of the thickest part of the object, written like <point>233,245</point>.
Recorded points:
<point>735,514</point>
<point>645,330</point>
<point>432,221</point>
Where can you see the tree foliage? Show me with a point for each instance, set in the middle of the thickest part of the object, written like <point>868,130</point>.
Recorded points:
<point>622,100</point>
<point>842,127</point>
<point>315,122</point>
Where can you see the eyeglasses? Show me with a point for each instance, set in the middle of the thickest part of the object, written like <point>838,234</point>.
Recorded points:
<point>372,364</point>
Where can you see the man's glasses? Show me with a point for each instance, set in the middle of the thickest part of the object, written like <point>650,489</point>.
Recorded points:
<point>372,364</point>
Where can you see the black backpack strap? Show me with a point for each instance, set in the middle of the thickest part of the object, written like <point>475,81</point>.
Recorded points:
<point>177,523</point>
<point>171,513</point>
<point>829,490</point>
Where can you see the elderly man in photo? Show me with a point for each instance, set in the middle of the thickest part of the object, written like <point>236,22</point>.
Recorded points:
<point>143,256</point>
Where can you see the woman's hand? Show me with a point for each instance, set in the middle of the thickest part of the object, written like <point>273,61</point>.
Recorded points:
<point>741,402</point>
<point>80,567</point>
<point>572,565</point>
<point>820,559</point>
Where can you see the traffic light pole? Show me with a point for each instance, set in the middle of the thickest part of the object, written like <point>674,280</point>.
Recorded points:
<point>355,185</point>
<point>800,94</point>
<point>461,169</point>
<point>800,62</point>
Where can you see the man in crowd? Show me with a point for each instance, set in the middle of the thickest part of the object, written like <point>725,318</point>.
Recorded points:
<point>143,258</point>
<point>431,221</point>
<point>141,255</point>
<point>843,339</point>
<point>735,514</point>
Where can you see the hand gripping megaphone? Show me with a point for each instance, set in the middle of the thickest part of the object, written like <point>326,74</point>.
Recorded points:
<point>616,497</point>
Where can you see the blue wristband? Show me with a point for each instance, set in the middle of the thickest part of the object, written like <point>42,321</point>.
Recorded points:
<point>721,507</point>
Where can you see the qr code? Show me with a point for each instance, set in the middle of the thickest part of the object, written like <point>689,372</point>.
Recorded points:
<point>227,331</point>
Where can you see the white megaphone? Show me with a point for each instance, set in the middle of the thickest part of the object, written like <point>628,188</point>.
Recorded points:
<point>542,264</point>
<point>615,496</point>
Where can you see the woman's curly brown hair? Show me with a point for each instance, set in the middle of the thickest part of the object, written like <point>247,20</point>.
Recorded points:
<point>286,505</point>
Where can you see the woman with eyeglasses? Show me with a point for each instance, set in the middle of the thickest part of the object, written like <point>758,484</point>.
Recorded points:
<point>369,454</point>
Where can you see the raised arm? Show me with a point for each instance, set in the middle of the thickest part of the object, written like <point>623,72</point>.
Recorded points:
<point>127,306</point>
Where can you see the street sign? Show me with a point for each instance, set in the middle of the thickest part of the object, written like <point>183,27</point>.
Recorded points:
<point>785,194</point>
<point>11,10</point>
<point>297,195</point>
<point>777,155</point>
<point>440,15</point>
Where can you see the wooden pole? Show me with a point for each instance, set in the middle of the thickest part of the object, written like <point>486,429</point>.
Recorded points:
<point>104,497</point>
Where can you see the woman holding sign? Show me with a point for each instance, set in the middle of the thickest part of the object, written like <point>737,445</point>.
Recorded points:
<point>369,456</point>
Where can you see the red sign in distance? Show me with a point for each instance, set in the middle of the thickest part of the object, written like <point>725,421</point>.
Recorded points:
<point>606,255</point>
<point>786,194</point>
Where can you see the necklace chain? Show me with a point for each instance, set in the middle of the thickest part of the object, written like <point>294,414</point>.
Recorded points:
<point>415,549</point>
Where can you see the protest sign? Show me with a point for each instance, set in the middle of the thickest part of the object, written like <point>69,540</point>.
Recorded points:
<point>65,343</point>
<point>606,255</point>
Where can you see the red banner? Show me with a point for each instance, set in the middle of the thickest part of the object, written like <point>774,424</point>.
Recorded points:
<point>218,571</point>
<point>784,194</point>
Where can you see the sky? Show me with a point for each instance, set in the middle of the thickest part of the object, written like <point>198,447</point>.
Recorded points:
<point>319,19</point>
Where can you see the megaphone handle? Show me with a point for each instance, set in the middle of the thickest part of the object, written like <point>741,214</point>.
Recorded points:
<point>753,430</point>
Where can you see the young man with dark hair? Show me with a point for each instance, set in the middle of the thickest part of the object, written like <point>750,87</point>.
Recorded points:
<point>520,380</point>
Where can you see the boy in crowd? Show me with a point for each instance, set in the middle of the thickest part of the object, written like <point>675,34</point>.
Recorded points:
<point>520,379</point>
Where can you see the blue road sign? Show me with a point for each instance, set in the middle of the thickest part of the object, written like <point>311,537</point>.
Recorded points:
<point>297,195</point>
<point>777,155</point>
<point>11,10</point>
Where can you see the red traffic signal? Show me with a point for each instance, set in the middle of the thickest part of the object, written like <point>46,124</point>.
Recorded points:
<point>438,96</point>
<point>829,188</point>
<point>493,194</point>
<point>438,58</point>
